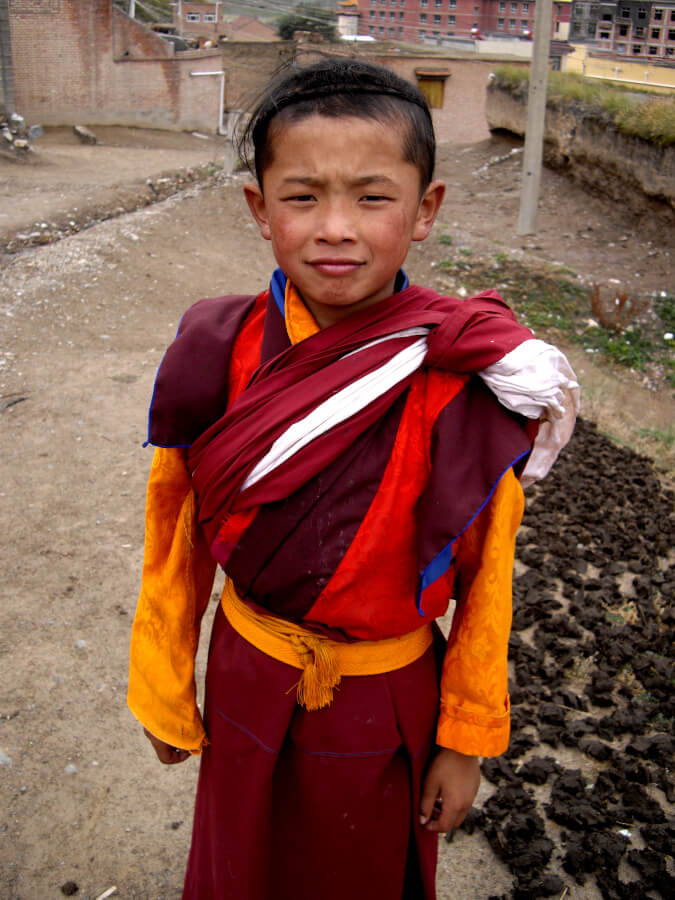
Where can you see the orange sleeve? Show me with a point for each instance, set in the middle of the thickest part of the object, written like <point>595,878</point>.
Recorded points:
<point>178,573</point>
<point>474,715</point>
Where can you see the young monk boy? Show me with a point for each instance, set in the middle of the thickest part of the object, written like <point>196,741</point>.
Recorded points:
<point>326,443</point>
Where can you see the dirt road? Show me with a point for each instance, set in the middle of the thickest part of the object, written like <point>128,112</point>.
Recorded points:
<point>83,324</point>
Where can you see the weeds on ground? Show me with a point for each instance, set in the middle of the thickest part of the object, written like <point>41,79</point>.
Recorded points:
<point>640,337</point>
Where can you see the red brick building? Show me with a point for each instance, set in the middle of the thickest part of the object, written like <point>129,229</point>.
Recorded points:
<point>85,62</point>
<point>192,19</point>
<point>437,21</point>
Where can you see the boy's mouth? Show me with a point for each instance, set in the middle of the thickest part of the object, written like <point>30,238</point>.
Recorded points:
<point>328,266</point>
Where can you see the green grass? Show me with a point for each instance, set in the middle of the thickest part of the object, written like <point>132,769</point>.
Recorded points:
<point>445,239</point>
<point>627,348</point>
<point>664,436</point>
<point>633,111</point>
<point>549,299</point>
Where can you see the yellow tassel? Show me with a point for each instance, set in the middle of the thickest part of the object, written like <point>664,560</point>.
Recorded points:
<point>320,672</point>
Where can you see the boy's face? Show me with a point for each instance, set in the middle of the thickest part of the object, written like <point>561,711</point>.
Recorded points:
<point>341,206</point>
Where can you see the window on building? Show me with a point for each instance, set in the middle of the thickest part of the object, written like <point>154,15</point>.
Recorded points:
<point>401,3</point>
<point>424,3</point>
<point>400,16</point>
<point>656,34</point>
<point>594,9</point>
<point>421,34</point>
<point>372,14</point>
<point>452,4</point>
<point>193,17</point>
<point>642,13</point>
<point>392,15</point>
<point>525,8</point>
<point>451,20</point>
<point>437,20</point>
<point>653,50</point>
<point>555,63</point>
<point>502,6</point>
<point>514,7</point>
<point>476,10</point>
<point>623,30</point>
<point>620,48</point>
<point>438,4</point>
<point>400,31</point>
<point>604,35</point>
<point>380,30</point>
<point>658,15</point>
<point>525,24</point>
<point>625,12</point>
<point>392,32</point>
<point>382,14</point>
<point>423,18</point>
<point>512,24</point>
<point>671,34</point>
<point>670,51</point>
<point>672,15</point>
<point>209,17</point>
<point>590,29</point>
<point>637,49</point>
<point>606,17</point>
<point>372,29</point>
<point>639,31</point>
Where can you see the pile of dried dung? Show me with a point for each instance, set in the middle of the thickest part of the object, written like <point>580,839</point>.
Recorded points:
<point>593,657</point>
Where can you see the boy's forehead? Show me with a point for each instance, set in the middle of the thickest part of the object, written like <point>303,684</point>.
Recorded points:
<point>387,133</point>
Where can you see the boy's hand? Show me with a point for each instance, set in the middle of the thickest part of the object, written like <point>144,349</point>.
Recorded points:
<point>165,752</point>
<point>449,790</point>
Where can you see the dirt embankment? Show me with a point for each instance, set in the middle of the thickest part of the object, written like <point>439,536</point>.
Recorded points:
<point>590,149</point>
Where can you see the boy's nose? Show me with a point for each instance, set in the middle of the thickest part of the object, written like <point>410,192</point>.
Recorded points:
<point>336,225</point>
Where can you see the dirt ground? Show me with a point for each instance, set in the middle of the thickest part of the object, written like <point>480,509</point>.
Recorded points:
<point>83,324</point>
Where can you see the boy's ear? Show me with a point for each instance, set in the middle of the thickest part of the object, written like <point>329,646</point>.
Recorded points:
<point>428,209</point>
<point>256,203</point>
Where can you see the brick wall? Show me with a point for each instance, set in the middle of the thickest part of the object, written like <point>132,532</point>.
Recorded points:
<point>249,67</point>
<point>85,62</point>
<point>462,118</point>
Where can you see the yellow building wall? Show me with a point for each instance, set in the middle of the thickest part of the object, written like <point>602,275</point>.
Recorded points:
<point>620,70</point>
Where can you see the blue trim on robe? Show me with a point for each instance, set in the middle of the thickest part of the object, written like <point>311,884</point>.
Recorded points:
<point>440,564</point>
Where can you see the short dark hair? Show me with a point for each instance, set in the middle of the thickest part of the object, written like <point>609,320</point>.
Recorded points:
<point>339,87</point>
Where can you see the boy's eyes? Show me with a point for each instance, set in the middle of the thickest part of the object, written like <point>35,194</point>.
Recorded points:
<point>308,198</point>
<point>300,198</point>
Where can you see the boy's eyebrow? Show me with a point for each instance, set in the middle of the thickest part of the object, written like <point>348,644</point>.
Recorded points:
<point>312,181</point>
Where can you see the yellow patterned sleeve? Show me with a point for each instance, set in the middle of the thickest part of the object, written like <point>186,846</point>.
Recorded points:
<point>474,715</point>
<point>178,573</point>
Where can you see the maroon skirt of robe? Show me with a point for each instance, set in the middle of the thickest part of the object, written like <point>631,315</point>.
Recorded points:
<point>293,805</point>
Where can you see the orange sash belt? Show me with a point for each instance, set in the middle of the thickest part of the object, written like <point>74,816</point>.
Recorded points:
<point>323,661</point>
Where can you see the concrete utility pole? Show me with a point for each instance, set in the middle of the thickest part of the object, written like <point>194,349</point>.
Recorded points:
<point>132,9</point>
<point>6,67</point>
<point>536,112</point>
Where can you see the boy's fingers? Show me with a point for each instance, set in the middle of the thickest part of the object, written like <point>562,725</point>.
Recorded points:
<point>449,819</point>
<point>165,752</point>
<point>430,797</point>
